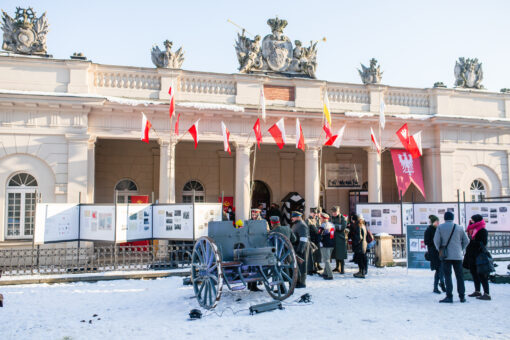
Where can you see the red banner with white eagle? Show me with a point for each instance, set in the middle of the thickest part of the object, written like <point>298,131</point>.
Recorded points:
<point>407,171</point>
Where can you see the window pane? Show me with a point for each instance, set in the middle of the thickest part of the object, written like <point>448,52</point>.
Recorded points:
<point>14,214</point>
<point>29,213</point>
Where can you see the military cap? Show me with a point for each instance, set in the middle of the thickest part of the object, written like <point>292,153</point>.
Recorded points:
<point>274,219</point>
<point>296,214</point>
<point>314,210</point>
<point>324,216</point>
<point>255,210</point>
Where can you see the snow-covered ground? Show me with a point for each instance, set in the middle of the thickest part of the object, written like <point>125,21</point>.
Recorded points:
<point>391,303</point>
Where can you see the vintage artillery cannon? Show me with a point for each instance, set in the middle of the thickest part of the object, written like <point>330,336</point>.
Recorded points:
<point>237,257</point>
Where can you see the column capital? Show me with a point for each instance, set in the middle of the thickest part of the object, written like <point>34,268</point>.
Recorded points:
<point>370,150</point>
<point>242,147</point>
<point>92,142</point>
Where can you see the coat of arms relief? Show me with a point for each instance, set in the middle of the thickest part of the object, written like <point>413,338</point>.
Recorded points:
<point>276,53</point>
<point>25,34</point>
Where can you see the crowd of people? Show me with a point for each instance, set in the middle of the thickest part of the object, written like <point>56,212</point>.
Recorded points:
<point>446,244</point>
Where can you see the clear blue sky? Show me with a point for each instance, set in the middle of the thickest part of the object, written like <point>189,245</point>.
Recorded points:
<point>416,42</point>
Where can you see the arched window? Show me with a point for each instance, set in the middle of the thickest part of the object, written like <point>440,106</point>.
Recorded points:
<point>477,190</point>
<point>21,199</point>
<point>192,189</point>
<point>125,188</point>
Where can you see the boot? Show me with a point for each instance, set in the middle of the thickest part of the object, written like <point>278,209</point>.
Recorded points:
<point>446,300</point>
<point>443,287</point>
<point>342,267</point>
<point>462,299</point>
<point>485,297</point>
<point>359,275</point>
<point>475,294</point>
<point>337,267</point>
<point>436,291</point>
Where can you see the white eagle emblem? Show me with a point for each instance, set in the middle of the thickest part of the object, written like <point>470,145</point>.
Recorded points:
<point>406,162</point>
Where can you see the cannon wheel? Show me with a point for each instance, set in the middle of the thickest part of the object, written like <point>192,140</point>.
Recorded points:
<point>285,269</point>
<point>206,274</point>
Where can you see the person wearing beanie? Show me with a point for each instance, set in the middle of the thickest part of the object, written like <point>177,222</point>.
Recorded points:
<point>276,227</point>
<point>478,241</point>
<point>300,229</point>
<point>433,255</point>
<point>341,237</point>
<point>327,232</point>
<point>451,240</point>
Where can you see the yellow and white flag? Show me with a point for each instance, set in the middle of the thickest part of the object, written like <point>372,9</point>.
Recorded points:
<point>326,107</point>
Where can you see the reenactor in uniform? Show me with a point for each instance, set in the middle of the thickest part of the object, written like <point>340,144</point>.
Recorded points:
<point>301,246</point>
<point>282,229</point>
<point>341,237</point>
<point>314,255</point>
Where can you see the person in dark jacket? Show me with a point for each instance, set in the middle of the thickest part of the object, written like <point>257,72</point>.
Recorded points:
<point>314,255</point>
<point>282,229</point>
<point>301,246</point>
<point>327,243</point>
<point>435,262</point>
<point>359,244</point>
<point>478,240</point>
<point>341,236</point>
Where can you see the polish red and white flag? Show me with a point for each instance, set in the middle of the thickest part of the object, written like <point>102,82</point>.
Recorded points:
<point>193,131</point>
<point>327,129</point>
<point>374,140</point>
<point>146,126</point>
<point>226,138</point>
<point>414,147</point>
<point>278,133</point>
<point>336,140</point>
<point>171,92</point>
<point>258,132</point>
<point>403,135</point>
<point>177,125</point>
<point>300,137</point>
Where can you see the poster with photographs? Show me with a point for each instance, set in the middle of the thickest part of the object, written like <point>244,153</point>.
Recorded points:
<point>408,215</point>
<point>381,218</point>
<point>134,222</point>
<point>56,222</point>
<point>344,176</point>
<point>496,215</point>
<point>97,222</point>
<point>173,221</point>
<point>422,211</point>
<point>204,213</point>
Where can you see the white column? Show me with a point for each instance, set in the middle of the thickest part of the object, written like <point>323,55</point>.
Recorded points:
<point>242,196</point>
<point>374,176</point>
<point>432,174</point>
<point>312,183</point>
<point>91,169</point>
<point>163,172</point>
<point>171,172</point>
<point>77,167</point>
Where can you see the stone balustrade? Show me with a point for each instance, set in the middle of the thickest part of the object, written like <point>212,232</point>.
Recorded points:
<point>348,94</point>
<point>407,97</point>
<point>126,80</point>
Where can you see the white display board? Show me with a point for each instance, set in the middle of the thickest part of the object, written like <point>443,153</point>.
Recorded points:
<point>496,215</point>
<point>134,222</point>
<point>97,222</point>
<point>381,218</point>
<point>408,215</point>
<point>173,221</point>
<point>422,211</point>
<point>204,213</point>
<point>56,222</point>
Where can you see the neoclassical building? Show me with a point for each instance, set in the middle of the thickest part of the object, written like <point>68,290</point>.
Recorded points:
<point>70,130</point>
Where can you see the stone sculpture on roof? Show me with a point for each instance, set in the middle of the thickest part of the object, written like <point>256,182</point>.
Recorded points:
<point>25,34</point>
<point>167,58</point>
<point>371,74</point>
<point>468,73</point>
<point>275,53</point>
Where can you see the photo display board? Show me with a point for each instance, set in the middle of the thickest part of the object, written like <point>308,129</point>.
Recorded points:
<point>416,247</point>
<point>381,218</point>
<point>408,215</point>
<point>173,221</point>
<point>496,215</point>
<point>205,213</point>
<point>56,222</point>
<point>134,222</point>
<point>97,222</point>
<point>422,211</point>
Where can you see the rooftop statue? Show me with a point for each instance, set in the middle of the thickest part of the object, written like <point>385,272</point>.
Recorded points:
<point>167,58</point>
<point>468,73</point>
<point>25,34</point>
<point>372,74</point>
<point>275,54</point>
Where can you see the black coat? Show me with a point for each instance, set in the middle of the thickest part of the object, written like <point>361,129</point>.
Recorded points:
<point>474,248</point>
<point>341,235</point>
<point>435,262</point>
<point>359,242</point>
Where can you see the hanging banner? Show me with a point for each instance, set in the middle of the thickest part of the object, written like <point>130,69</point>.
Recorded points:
<point>228,201</point>
<point>407,171</point>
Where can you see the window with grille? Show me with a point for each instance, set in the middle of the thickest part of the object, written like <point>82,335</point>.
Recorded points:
<point>192,189</point>
<point>21,199</point>
<point>477,190</point>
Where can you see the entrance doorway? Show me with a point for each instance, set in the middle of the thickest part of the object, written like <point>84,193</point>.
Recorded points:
<point>261,195</point>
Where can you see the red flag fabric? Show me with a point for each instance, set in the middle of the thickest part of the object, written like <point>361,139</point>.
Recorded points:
<point>278,133</point>
<point>374,140</point>
<point>146,126</point>
<point>226,138</point>
<point>336,140</point>
<point>407,171</point>
<point>258,132</point>
<point>300,137</point>
<point>415,145</point>
<point>193,131</point>
<point>177,125</point>
<point>172,101</point>
<point>327,129</point>
<point>403,135</point>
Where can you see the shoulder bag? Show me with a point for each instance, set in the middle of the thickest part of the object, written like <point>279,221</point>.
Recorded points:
<point>443,250</point>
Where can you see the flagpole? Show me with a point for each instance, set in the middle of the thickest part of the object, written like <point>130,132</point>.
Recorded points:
<point>254,158</point>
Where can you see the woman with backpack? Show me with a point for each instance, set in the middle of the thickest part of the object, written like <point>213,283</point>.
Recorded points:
<point>478,241</point>
<point>433,254</point>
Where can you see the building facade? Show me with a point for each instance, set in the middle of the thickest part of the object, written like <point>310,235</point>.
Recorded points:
<point>70,131</point>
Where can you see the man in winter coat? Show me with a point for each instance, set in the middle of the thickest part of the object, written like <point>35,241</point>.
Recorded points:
<point>435,262</point>
<point>327,232</point>
<point>314,255</point>
<point>456,245</point>
<point>301,246</point>
<point>341,237</point>
<point>282,229</point>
